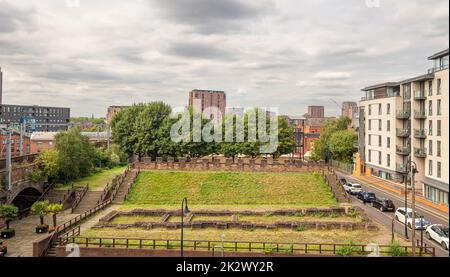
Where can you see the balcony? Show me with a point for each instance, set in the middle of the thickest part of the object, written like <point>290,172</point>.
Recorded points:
<point>403,133</point>
<point>420,114</point>
<point>420,152</point>
<point>403,114</point>
<point>401,168</point>
<point>404,151</point>
<point>420,133</point>
<point>420,95</point>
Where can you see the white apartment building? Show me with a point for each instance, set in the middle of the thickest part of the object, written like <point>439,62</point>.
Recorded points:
<point>408,120</point>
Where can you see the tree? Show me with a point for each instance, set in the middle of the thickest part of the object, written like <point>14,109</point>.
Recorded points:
<point>324,149</point>
<point>8,213</point>
<point>54,209</point>
<point>75,155</point>
<point>286,141</point>
<point>48,164</point>
<point>341,145</point>
<point>40,208</point>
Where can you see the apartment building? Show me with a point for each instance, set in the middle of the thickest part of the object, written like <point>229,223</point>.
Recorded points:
<point>15,144</point>
<point>408,120</point>
<point>201,100</point>
<point>39,118</point>
<point>112,111</point>
<point>350,110</point>
<point>316,111</point>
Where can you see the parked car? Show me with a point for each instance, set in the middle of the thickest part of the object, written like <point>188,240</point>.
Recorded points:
<point>403,215</point>
<point>366,197</point>
<point>353,188</point>
<point>438,233</point>
<point>383,205</point>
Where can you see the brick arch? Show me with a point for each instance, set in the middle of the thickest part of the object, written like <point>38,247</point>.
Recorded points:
<point>19,188</point>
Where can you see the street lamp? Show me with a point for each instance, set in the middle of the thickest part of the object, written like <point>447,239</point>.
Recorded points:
<point>412,169</point>
<point>184,210</point>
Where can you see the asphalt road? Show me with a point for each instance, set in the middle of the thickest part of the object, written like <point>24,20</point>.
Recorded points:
<point>386,219</point>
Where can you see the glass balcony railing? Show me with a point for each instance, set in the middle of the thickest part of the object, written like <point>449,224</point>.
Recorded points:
<point>420,133</point>
<point>404,151</point>
<point>401,168</point>
<point>403,114</point>
<point>420,114</point>
<point>420,95</point>
<point>420,152</point>
<point>403,133</point>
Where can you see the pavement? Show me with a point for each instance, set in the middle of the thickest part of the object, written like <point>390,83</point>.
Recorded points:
<point>386,219</point>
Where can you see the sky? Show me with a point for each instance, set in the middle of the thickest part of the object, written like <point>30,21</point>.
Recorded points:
<point>288,54</point>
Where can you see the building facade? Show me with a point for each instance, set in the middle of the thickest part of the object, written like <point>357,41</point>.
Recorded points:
<point>316,111</point>
<point>15,145</point>
<point>112,111</point>
<point>350,110</point>
<point>39,118</point>
<point>408,121</point>
<point>212,100</point>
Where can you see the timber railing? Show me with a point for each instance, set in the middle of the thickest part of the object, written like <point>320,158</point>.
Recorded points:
<point>243,246</point>
<point>79,197</point>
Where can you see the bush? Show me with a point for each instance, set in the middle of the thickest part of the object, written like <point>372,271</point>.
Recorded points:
<point>300,229</point>
<point>289,249</point>
<point>396,250</point>
<point>347,250</point>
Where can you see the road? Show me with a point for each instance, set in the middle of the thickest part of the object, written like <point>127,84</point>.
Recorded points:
<point>386,219</point>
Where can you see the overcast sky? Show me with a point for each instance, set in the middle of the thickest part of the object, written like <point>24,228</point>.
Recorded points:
<point>270,53</point>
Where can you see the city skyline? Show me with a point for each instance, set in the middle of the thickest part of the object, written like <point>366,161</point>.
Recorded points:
<point>108,53</point>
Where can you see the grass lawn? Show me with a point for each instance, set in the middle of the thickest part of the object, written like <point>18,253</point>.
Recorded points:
<point>165,189</point>
<point>96,181</point>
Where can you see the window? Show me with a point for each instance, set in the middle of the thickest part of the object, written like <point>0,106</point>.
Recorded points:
<point>370,139</point>
<point>430,127</point>
<point>388,160</point>
<point>370,156</point>
<point>388,126</point>
<point>439,108</point>
<point>439,173</point>
<point>430,88</point>
<point>439,128</point>
<point>430,107</point>
<point>379,158</point>
<point>380,125</point>
<point>430,147</point>
<point>438,87</point>
<point>430,167</point>
<point>379,109</point>
<point>370,109</point>
<point>379,141</point>
<point>388,143</point>
<point>388,110</point>
<point>370,125</point>
<point>438,148</point>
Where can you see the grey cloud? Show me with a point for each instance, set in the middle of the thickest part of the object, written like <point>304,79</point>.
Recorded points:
<point>198,51</point>
<point>208,17</point>
<point>12,18</point>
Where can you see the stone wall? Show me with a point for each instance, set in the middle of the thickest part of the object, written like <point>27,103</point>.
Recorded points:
<point>363,222</point>
<point>223,164</point>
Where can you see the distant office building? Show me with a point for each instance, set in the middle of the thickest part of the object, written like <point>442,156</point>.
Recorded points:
<point>112,111</point>
<point>38,118</point>
<point>201,100</point>
<point>350,110</point>
<point>316,111</point>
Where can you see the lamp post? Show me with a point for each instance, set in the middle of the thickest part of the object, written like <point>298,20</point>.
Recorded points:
<point>421,234</point>
<point>184,210</point>
<point>412,168</point>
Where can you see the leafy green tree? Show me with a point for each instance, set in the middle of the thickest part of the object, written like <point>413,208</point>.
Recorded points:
<point>8,213</point>
<point>341,145</point>
<point>48,165</point>
<point>75,155</point>
<point>286,141</point>
<point>40,208</point>
<point>324,151</point>
<point>54,210</point>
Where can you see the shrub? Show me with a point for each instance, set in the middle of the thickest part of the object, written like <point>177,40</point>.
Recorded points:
<point>347,250</point>
<point>396,250</point>
<point>289,249</point>
<point>269,249</point>
<point>300,228</point>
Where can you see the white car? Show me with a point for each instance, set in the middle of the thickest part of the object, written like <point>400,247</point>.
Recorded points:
<point>403,216</point>
<point>438,233</point>
<point>353,188</point>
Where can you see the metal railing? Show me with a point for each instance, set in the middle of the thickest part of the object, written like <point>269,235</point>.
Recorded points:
<point>420,152</point>
<point>402,168</point>
<point>240,246</point>
<point>420,133</point>
<point>401,150</point>
<point>420,114</point>
<point>79,197</point>
<point>420,95</point>
<point>403,114</point>
<point>403,132</point>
